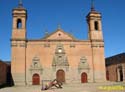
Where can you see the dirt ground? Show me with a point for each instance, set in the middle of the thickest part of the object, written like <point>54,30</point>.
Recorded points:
<point>88,87</point>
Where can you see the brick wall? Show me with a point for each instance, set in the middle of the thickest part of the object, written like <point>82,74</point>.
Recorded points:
<point>3,72</point>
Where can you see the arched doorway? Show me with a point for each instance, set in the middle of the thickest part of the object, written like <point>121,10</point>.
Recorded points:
<point>84,78</point>
<point>107,75</point>
<point>60,76</point>
<point>121,75</point>
<point>36,79</point>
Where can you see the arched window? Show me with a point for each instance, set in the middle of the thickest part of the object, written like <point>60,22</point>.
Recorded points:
<point>19,24</point>
<point>96,25</point>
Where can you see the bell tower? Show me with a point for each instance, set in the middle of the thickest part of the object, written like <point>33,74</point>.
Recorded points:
<point>18,45</point>
<point>94,24</point>
<point>19,22</point>
<point>97,44</point>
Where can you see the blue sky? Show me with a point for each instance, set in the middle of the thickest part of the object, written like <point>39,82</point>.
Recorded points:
<point>71,14</point>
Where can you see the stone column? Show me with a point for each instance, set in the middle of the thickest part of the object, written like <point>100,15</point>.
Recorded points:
<point>123,69</point>
<point>118,74</point>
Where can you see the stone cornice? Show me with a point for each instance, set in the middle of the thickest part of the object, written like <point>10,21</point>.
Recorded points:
<point>97,40</point>
<point>56,40</point>
<point>18,39</point>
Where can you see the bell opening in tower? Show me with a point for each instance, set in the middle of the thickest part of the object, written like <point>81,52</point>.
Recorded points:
<point>19,24</point>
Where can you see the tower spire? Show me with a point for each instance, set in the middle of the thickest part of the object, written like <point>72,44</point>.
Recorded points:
<point>20,3</point>
<point>92,5</point>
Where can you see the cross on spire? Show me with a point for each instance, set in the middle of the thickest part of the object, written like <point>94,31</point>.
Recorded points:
<point>59,26</point>
<point>20,3</point>
<point>46,32</point>
<point>92,5</point>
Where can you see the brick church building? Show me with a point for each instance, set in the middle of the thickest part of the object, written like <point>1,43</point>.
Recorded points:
<point>58,55</point>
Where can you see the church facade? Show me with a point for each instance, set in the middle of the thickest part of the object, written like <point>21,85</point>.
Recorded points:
<point>58,55</point>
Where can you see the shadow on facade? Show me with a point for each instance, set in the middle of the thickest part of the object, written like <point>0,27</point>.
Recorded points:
<point>9,80</point>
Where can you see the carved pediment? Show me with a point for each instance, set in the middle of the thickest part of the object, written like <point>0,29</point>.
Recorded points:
<point>36,66</point>
<point>59,34</point>
<point>60,58</point>
<point>60,61</point>
<point>83,64</point>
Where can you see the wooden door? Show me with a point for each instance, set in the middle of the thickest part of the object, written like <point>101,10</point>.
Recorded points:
<point>84,78</point>
<point>60,76</point>
<point>36,79</point>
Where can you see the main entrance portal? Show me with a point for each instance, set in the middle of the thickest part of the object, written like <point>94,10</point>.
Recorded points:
<point>36,79</point>
<point>60,76</point>
<point>84,78</point>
